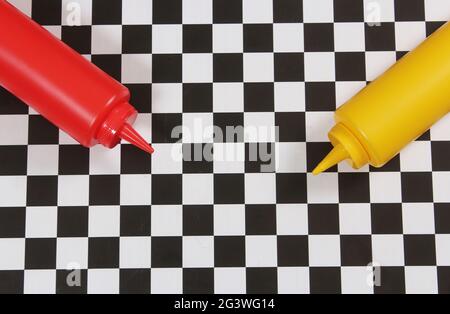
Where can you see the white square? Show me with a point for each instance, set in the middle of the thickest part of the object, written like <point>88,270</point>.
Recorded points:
<point>320,67</point>
<point>257,11</point>
<point>416,157</point>
<point>39,282</point>
<point>442,249</point>
<point>167,220</point>
<point>167,98</point>
<point>259,127</point>
<point>198,252</point>
<point>197,68</point>
<point>103,281</point>
<point>14,130</point>
<point>198,189</point>
<point>12,252</point>
<point>41,222</point>
<point>258,67</point>
<point>355,219</point>
<point>104,161</point>
<point>289,96</point>
<point>136,68</point>
<point>318,124</point>
<point>229,220</point>
<point>76,13</point>
<point>14,191</point>
<point>261,251</point>
<point>104,221</point>
<point>228,38</point>
<point>324,250</point>
<point>323,189</point>
<point>167,281</point>
<point>378,11</point>
<point>230,281</point>
<point>106,39</point>
<point>355,280</point>
<point>71,252</point>
<point>388,250</point>
<point>137,12</point>
<point>198,128</point>
<point>135,252</point>
<point>260,188</point>
<point>437,10</point>
<point>55,31</point>
<point>292,219</point>
<point>408,35</point>
<point>229,157</point>
<point>23,5</point>
<point>43,160</point>
<point>228,97</point>
<point>66,187</point>
<point>421,280</point>
<point>288,37</point>
<point>349,37</point>
<point>346,90</point>
<point>441,184</point>
<point>143,125</point>
<point>66,139</point>
<point>385,187</point>
<point>167,159</point>
<point>318,11</point>
<point>136,189</point>
<point>197,11</point>
<point>418,218</point>
<point>290,157</point>
<point>441,130</point>
<point>293,280</point>
<point>167,39</point>
<point>377,62</point>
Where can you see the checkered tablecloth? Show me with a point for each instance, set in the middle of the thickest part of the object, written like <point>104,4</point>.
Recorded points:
<point>166,224</point>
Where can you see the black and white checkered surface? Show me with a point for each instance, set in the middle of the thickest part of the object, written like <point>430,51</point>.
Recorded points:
<point>163,225</point>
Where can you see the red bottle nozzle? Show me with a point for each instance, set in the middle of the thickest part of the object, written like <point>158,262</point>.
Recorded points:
<point>129,134</point>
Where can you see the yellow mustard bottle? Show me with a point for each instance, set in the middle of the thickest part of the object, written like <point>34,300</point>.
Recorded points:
<point>395,109</point>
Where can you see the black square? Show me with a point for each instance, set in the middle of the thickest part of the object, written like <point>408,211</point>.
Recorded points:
<point>356,250</point>
<point>13,160</point>
<point>134,161</point>
<point>40,131</point>
<point>380,37</point>
<point>315,152</point>
<point>229,251</point>
<point>440,156</point>
<point>354,188</point>
<point>107,12</point>
<point>387,218</point>
<point>167,11</point>
<point>42,190</point>
<point>77,37</point>
<point>47,12</point>
<point>167,189</point>
<point>104,252</point>
<point>137,39</point>
<point>231,126</point>
<point>73,160</point>
<point>420,250</point>
<point>260,157</point>
<point>77,279</point>
<point>228,67</point>
<point>325,280</point>
<point>293,251</point>
<point>291,126</point>
<point>319,37</point>
<point>323,219</point>
<point>258,38</point>
<point>291,188</point>
<point>392,166</point>
<point>135,221</point>
<point>320,96</point>
<point>11,104</point>
<point>167,68</point>
<point>73,222</point>
<point>135,281</point>
<point>104,190</point>
<point>443,280</point>
<point>417,187</point>
<point>166,127</point>
<point>260,220</point>
<point>350,66</point>
<point>433,26</point>
<point>229,189</point>
<point>442,218</point>
<point>198,220</point>
<point>40,254</point>
<point>198,158</point>
<point>11,281</point>
<point>197,97</point>
<point>409,10</point>
<point>392,281</point>
<point>289,67</point>
<point>259,97</point>
<point>12,222</point>
<point>262,281</point>
<point>167,252</point>
<point>198,281</point>
<point>197,38</point>
<point>287,11</point>
<point>348,11</point>
<point>110,64</point>
<point>227,11</point>
<point>141,97</point>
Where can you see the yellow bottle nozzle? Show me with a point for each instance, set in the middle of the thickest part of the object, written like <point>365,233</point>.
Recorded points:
<point>338,154</point>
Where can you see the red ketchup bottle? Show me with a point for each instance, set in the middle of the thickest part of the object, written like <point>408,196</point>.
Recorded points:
<point>62,86</point>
